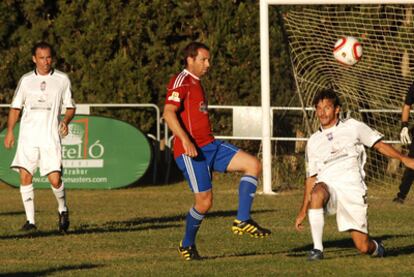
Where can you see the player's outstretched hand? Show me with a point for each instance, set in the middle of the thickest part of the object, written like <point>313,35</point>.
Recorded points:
<point>299,219</point>
<point>405,136</point>
<point>9,140</point>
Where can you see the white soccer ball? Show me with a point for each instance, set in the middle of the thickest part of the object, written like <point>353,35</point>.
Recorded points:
<point>347,50</point>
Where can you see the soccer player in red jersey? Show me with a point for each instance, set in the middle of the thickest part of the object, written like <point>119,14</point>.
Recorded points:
<point>197,153</point>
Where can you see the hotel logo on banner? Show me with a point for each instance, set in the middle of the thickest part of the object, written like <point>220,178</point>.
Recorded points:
<point>78,151</point>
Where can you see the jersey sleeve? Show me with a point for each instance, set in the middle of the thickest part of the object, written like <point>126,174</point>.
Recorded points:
<point>366,135</point>
<point>19,96</point>
<point>175,94</point>
<point>67,100</point>
<point>409,97</point>
<point>310,163</point>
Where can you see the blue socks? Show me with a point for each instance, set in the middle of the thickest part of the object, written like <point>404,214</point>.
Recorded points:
<point>193,222</point>
<point>247,190</point>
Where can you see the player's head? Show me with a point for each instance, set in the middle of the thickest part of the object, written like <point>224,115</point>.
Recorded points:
<point>197,58</point>
<point>42,54</point>
<point>327,105</point>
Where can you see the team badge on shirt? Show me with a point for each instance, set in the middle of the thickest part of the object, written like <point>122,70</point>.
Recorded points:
<point>43,86</point>
<point>42,97</point>
<point>329,136</point>
<point>175,96</point>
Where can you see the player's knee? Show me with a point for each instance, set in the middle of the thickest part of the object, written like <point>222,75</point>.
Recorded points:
<point>204,204</point>
<point>254,167</point>
<point>317,197</point>
<point>55,183</point>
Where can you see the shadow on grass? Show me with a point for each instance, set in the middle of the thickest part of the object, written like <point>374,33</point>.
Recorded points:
<point>12,213</point>
<point>348,243</point>
<point>132,225</point>
<point>51,270</point>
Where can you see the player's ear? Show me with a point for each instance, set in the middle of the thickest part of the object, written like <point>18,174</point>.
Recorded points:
<point>34,59</point>
<point>337,110</point>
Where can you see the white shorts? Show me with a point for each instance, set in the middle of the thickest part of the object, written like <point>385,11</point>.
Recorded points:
<point>48,159</point>
<point>349,203</point>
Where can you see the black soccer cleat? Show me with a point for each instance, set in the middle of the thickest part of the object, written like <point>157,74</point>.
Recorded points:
<point>28,227</point>
<point>398,200</point>
<point>380,251</point>
<point>315,255</point>
<point>64,221</point>
<point>249,227</point>
<point>188,253</point>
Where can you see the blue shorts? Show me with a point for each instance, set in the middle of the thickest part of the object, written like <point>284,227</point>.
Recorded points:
<point>214,156</point>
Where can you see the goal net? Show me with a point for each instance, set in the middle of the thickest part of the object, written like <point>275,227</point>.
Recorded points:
<point>374,89</point>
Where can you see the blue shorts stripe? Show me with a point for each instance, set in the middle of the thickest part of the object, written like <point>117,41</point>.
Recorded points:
<point>230,146</point>
<point>190,171</point>
<point>215,156</point>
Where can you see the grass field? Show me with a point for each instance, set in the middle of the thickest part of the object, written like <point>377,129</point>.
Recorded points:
<point>136,231</point>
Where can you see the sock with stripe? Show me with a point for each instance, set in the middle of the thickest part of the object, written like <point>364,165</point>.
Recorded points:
<point>28,202</point>
<point>193,222</point>
<point>247,190</point>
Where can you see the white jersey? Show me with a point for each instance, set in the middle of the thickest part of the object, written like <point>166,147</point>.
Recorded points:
<point>337,156</point>
<point>42,97</point>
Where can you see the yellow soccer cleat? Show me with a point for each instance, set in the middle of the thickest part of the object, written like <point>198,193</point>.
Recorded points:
<point>249,227</point>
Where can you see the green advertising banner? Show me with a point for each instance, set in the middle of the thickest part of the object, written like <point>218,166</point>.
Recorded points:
<point>98,153</point>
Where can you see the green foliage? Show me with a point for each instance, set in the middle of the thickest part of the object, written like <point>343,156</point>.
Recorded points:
<point>118,51</point>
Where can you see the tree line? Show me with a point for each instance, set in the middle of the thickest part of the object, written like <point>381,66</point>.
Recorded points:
<point>120,51</point>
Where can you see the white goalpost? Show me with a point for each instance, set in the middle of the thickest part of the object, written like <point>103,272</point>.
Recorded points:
<point>383,74</point>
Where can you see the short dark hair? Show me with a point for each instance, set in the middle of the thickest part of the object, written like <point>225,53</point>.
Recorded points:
<point>191,50</point>
<point>327,94</point>
<point>42,45</point>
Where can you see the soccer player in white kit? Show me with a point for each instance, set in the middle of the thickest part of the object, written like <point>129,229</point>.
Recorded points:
<point>41,93</point>
<point>335,157</point>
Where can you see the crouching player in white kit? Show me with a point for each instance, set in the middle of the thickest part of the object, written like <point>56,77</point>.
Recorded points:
<point>41,93</point>
<point>335,177</point>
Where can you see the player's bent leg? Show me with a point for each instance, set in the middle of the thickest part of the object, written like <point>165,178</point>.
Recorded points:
<point>365,245</point>
<point>319,196</point>
<point>250,166</point>
<point>245,163</point>
<point>243,224</point>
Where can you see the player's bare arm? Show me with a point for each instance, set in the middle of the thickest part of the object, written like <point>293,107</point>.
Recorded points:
<point>309,183</point>
<point>11,122</point>
<point>170,116</point>
<point>63,125</point>
<point>393,153</point>
<point>405,114</point>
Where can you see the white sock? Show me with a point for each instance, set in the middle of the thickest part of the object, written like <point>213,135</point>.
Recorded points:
<point>60,197</point>
<point>317,221</point>
<point>28,202</point>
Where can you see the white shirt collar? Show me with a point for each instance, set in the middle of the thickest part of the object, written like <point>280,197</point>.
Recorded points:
<point>192,75</point>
